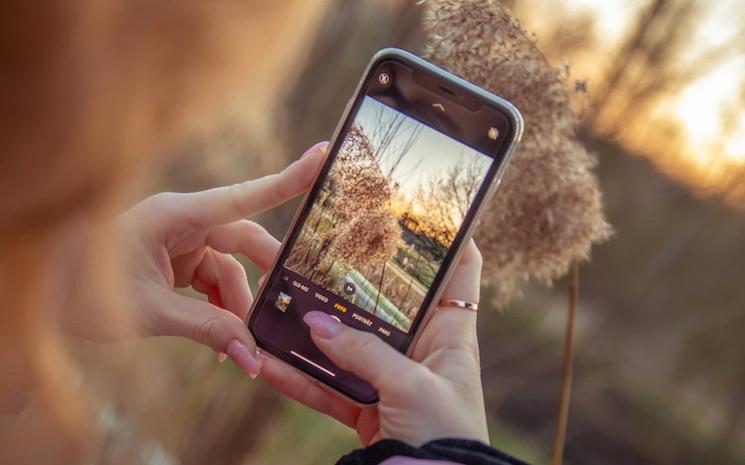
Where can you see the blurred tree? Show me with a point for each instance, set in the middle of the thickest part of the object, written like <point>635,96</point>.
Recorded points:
<point>352,32</point>
<point>392,135</point>
<point>654,60</point>
<point>441,202</point>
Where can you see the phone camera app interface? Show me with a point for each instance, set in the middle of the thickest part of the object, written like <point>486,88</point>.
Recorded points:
<point>378,229</point>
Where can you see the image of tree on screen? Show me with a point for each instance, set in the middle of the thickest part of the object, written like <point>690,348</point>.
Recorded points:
<point>387,213</point>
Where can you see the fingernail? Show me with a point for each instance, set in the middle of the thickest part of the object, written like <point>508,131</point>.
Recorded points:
<point>255,375</point>
<point>221,357</point>
<point>261,358</point>
<point>323,324</point>
<point>315,148</point>
<point>243,357</point>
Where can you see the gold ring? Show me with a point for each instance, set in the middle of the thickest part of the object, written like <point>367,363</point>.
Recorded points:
<point>460,304</point>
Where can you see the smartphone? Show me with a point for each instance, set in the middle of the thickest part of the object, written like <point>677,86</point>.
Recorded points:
<point>416,156</point>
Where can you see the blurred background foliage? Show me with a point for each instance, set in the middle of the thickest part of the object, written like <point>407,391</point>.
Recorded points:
<point>660,366</point>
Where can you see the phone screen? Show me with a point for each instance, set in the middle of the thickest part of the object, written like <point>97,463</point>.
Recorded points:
<point>371,243</point>
<point>384,219</point>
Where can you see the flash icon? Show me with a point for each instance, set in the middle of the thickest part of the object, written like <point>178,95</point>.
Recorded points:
<point>493,133</point>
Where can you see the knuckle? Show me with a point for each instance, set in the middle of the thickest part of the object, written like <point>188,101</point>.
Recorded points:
<point>463,347</point>
<point>234,196</point>
<point>238,268</point>
<point>208,331</point>
<point>363,343</point>
<point>251,229</point>
<point>162,199</point>
<point>279,183</point>
<point>151,323</point>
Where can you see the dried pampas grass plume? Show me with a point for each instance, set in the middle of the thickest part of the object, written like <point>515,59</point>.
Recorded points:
<point>548,212</point>
<point>360,183</point>
<point>370,238</point>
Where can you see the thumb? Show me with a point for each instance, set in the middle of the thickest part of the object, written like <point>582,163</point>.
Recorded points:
<point>224,332</point>
<point>361,353</point>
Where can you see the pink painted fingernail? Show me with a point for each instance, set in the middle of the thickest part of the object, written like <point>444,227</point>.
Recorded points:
<point>323,324</point>
<point>243,357</point>
<point>315,148</point>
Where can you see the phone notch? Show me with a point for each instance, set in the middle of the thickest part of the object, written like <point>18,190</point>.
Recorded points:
<point>452,93</point>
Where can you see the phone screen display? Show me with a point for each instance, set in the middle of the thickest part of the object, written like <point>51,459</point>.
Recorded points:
<point>384,219</point>
<point>371,243</point>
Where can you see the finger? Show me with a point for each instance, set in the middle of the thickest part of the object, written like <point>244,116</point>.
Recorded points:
<point>294,385</point>
<point>465,281</point>
<point>227,204</point>
<point>224,272</point>
<point>212,292</point>
<point>361,353</point>
<point>246,238</point>
<point>185,265</point>
<point>454,328</point>
<point>172,314</point>
<point>464,284</point>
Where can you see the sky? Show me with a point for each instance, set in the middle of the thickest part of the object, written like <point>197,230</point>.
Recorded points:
<point>433,153</point>
<point>698,107</point>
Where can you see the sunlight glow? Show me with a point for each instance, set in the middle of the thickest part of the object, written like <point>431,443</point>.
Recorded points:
<point>700,109</point>
<point>711,110</point>
<point>734,147</point>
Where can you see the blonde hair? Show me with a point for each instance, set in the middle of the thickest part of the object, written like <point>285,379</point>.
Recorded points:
<point>91,93</point>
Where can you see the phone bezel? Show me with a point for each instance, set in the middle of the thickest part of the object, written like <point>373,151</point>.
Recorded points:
<point>515,123</point>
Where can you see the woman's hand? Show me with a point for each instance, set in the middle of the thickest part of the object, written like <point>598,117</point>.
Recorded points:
<point>435,394</point>
<point>181,240</point>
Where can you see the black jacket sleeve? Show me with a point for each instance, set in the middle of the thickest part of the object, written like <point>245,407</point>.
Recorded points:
<point>462,451</point>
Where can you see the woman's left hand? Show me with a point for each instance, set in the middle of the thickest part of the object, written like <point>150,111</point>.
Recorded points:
<point>181,240</point>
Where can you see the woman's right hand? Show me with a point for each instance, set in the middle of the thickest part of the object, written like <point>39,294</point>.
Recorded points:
<point>435,394</point>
